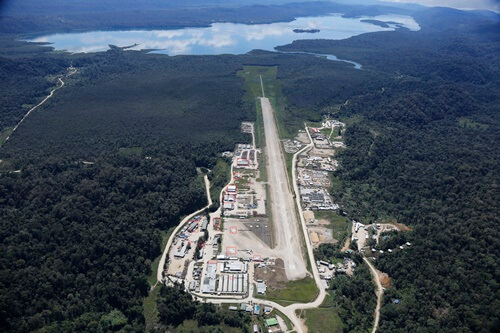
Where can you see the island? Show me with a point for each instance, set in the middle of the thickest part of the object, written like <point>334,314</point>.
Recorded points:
<point>309,31</point>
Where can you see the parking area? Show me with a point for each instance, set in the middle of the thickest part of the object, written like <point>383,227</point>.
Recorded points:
<point>249,237</point>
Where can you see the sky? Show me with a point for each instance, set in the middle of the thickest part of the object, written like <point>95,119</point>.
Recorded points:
<point>463,4</point>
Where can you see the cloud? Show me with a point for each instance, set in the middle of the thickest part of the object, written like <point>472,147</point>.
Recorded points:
<point>220,37</point>
<point>462,4</point>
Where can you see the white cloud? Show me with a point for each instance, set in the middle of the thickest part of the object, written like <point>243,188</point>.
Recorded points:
<point>462,4</point>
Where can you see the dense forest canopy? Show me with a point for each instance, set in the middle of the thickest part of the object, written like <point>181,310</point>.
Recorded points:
<point>88,183</point>
<point>104,166</point>
<point>30,17</point>
<point>423,149</point>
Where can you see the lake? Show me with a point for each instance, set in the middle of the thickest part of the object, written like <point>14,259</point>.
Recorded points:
<point>222,38</point>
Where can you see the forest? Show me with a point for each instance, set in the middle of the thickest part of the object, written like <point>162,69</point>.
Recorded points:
<point>176,307</point>
<point>105,165</point>
<point>90,181</point>
<point>422,150</point>
<point>29,16</point>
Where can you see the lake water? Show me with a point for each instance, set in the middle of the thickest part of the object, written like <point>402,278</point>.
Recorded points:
<point>221,38</point>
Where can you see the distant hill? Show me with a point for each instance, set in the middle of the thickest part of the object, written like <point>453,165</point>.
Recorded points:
<point>29,16</point>
<point>51,7</point>
<point>440,18</point>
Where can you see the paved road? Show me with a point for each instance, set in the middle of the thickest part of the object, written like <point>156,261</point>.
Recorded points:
<point>282,206</point>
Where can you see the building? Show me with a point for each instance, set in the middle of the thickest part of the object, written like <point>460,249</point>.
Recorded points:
<point>234,266</point>
<point>204,225</point>
<point>210,278</point>
<point>261,288</point>
<point>231,188</point>
<point>181,251</point>
<point>256,310</point>
<point>255,328</point>
<point>208,285</point>
<point>229,205</point>
<point>316,197</point>
<point>243,163</point>
<point>192,226</point>
<point>229,198</point>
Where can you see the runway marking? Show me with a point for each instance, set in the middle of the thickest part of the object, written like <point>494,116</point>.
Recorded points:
<point>233,230</point>
<point>231,250</point>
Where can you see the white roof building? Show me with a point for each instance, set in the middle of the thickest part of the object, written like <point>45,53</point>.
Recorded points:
<point>261,288</point>
<point>234,266</point>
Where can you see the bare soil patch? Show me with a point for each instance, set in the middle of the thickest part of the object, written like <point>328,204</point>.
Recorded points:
<point>274,275</point>
<point>347,244</point>
<point>302,137</point>
<point>384,278</point>
<point>402,226</point>
<point>324,222</point>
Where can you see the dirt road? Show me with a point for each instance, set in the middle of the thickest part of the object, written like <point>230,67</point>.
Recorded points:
<point>161,264</point>
<point>282,206</point>
<point>380,293</point>
<point>310,252</point>
<point>72,71</point>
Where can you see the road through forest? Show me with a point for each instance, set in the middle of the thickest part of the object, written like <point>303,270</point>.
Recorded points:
<point>380,293</point>
<point>61,84</point>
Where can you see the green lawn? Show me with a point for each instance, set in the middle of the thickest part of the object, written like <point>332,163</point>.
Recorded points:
<point>325,318</point>
<point>303,291</point>
<point>4,134</point>
<point>289,164</point>
<point>242,183</point>
<point>272,89</point>
<point>221,174</point>
<point>287,320</point>
<point>131,151</point>
<point>314,123</point>
<point>189,326</point>
<point>149,308</point>
<point>260,141</point>
<point>149,303</point>
<point>154,265</point>
<point>467,122</point>
<point>339,224</point>
<point>326,131</point>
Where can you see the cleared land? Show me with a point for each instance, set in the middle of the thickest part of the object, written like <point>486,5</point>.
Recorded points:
<point>283,211</point>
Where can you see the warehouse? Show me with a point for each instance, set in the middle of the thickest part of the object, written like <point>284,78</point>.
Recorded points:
<point>234,266</point>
